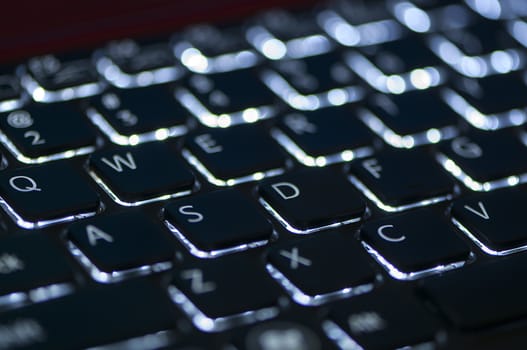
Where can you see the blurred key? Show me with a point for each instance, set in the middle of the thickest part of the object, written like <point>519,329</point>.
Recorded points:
<point>52,78</point>
<point>138,115</point>
<point>484,161</point>
<point>324,136</point>
<point>221,100</point>
<point>11,96</point>
<point>92,317</point>
<point>32,261</point>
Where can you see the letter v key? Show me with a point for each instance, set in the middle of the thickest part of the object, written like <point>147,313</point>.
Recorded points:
<point>482,213</point>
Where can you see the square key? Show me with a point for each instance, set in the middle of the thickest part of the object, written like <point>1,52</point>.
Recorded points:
<point>215,222</point>
<point>113,247</point>
<point>234,155</point>
<point>310,200</point>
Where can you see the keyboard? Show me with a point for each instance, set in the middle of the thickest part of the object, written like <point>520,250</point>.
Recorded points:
<point>347,175</point>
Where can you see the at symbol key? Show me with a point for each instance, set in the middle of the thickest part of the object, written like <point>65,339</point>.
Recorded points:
<point>137,175</point>
<point>47,194</point>
<point>311,200</point>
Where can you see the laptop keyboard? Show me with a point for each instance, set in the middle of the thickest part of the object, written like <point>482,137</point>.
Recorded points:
<point>347,176</point>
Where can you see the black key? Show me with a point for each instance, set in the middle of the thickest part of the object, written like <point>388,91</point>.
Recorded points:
<point>401,180</point>
<point>295,330</point>
<point>11,96</point>
<point>415,244</point>
<point>316,74</point>
<point>45,194</point>
<point>140,112</point>
<point>143,173</point>
<point>235,154</point>
<point>483,37</point>
<point>120,245</point>
<point>495,97</point>
<point>385,320</point>
<point>401,56</point>
<point>410,119</point>
<point>223,93</point>
<point>290,25</point>
<point>52,78</point>
<point>329,134</point>
<point>208,224</point>
<point>313,82</point>
<point>442,15</point>
<point>312,199</point>
<point>31,261</point>
<point>224,287</point>
<point>482,295</point>
<point>102,316</point>
<point>326,263</point>
<point>214,41</point>
<point>37,133</point>
<point>483,161</point>
<point>495,219</point>
<point>133,57</point>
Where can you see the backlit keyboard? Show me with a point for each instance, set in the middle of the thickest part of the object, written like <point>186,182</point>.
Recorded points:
<point>345,176</point>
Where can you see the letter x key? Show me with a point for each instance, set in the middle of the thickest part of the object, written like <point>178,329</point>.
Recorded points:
<point>295,259</point>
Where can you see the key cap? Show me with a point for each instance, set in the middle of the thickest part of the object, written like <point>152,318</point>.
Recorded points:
<point>221,100</point>
<point>120,245</point>
<point>385,320</point>
<point>229,290</point>
<point>279,33</point>
<point>390,68</point>
<point>206,224</point>
<point>491,102</point>
<point>484,161</point>
<point>431,15</point>
<point>52,78</point>
<point>238,154</point>
<point>397,181</point>
<point>11,96</point>
<point>210,49</point>
<point>313,82</point>
<point>46,194</point>
<point>483,295</point>
<point>321,268</point>
<point>102,316</point>
<point>479,50</point>
<point>494,220</point>
<point>137,175</point>
<point>126,119</point>
<point>324,136</point>
<point>37,134</point>
<point>28,262</point>
<point>398,119</point>
<point>129,63</point>
<point>415,244</point>
<point>360,23</point>
<point>298,330</point>
<point>310,200</point>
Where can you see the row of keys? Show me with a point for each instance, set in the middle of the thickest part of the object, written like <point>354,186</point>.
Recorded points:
<point>228,157</point>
